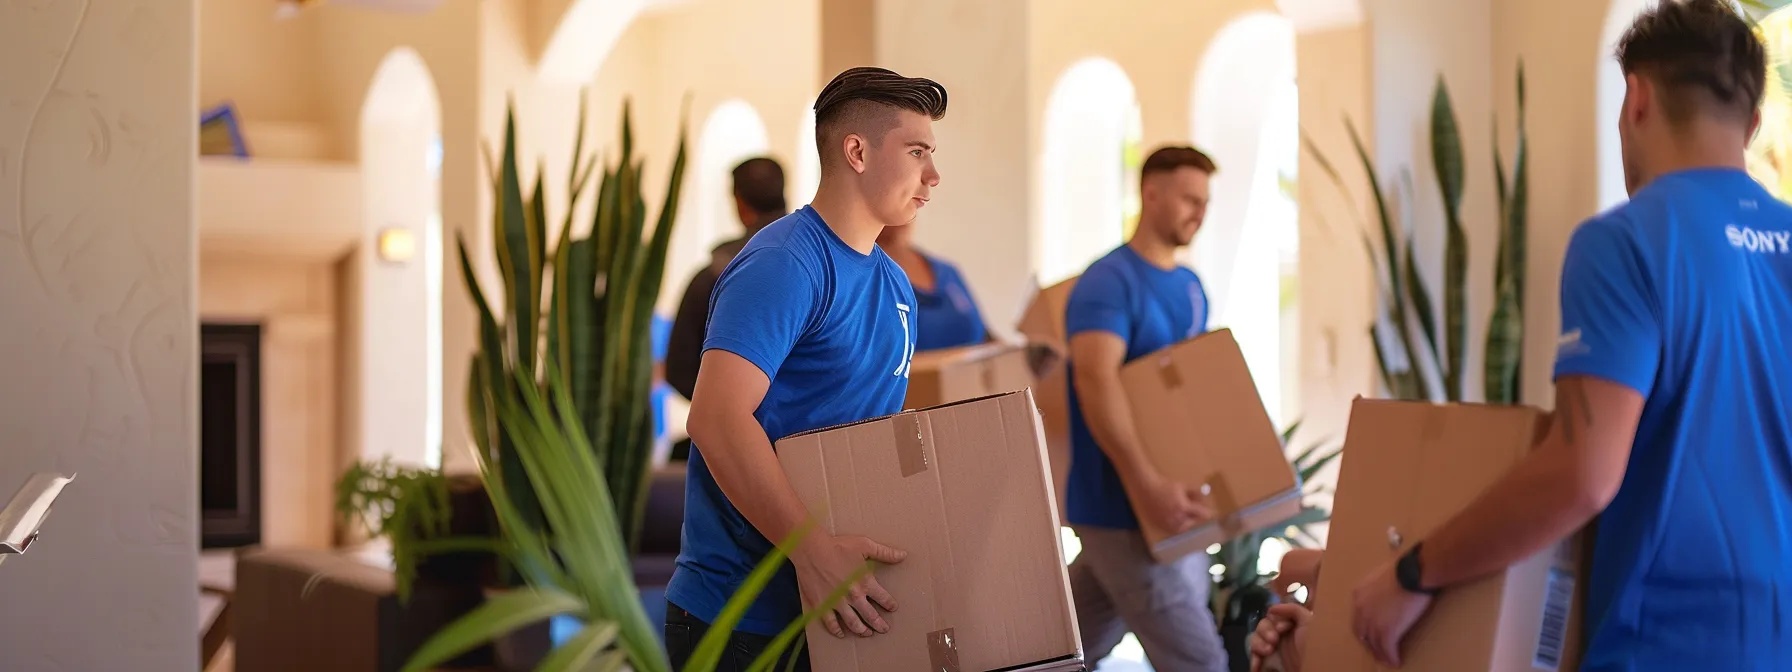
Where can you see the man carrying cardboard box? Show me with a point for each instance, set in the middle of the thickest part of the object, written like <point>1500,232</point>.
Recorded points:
<point>1132,302</point>
<point>810,326</point>
<point>1672,402</point>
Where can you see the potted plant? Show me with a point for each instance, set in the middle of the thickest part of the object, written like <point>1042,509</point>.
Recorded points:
<point>1422,357</point>
<point>563,431</point>
<point>1240,596</point>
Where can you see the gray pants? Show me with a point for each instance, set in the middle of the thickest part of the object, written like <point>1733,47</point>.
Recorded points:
<point>1118,587</point>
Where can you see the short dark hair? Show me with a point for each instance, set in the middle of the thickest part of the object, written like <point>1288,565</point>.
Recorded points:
<point>1703,56</point>
<point>1168,159</point>
<point>759,182</point>
<point>864,95</point>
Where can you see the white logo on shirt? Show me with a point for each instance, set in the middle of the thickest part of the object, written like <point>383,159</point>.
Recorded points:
<point>1569,344</point>
<point>908,343</point>
<point>1760,242</point>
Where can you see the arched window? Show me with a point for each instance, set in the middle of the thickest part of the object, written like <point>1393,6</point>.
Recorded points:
<point>1089,168</point>
<point>732,133</point>
<point>400,384</point>
<point>1246,115</point>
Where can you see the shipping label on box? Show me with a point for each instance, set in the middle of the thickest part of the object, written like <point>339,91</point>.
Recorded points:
<point>1200,421</point>
<point>964,489</point>
<point>955,374</point>
<point>1407,468</point>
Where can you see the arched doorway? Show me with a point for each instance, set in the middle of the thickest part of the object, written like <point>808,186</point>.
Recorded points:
<point>399,265</point>
<point>1246,114</point>
<point>1089,168</point>
<point>733,132</point>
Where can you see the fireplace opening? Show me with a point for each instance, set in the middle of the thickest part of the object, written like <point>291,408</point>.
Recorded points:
<point>229,435</point>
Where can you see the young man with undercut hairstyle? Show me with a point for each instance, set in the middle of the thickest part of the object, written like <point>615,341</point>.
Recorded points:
<point>1132,302</point>
<point>811,325</point>
<point>1673,411</point>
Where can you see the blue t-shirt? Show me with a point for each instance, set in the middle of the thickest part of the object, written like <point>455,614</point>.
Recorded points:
<point>1685,295</point>
<point>1151,309</point>
<point>947,316</point>
<point>834,331</point>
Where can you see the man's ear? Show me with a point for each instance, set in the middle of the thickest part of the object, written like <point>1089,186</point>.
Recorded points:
<point>1754,126</point>
<point>1638,98</point>
<point>854,145</point>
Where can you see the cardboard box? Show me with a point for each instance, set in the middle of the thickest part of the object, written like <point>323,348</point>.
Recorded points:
<point>955,374</point>
<point>1043,322</point>
<point>1408,467</point>
<point>964,490</point>
<point>1200,420</point>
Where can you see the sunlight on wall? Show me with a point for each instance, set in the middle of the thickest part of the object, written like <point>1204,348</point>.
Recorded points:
<point>1770,155</point>
<point>732,133</point>
<point>1246,115</point>
<point>1089,119</point>
<point>399,383</point>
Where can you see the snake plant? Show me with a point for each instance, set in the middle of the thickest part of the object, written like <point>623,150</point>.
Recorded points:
<point>558,402</point>
<point>1422,355</point>
<point>585,307</point>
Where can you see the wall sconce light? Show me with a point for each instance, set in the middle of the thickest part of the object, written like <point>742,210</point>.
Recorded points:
<point>397,245</point>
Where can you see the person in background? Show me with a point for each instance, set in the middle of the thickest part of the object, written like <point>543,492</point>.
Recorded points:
<point>1672,400</point>
<point>758,201</point>
<point>1133,301</point>
<point>945,314</point>
<point>812,325</point>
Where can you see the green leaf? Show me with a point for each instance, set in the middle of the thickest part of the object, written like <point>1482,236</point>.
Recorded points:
<point>577,652</point>
<point>498,616</point>
<point>793,632</point>
<point>709,649</point>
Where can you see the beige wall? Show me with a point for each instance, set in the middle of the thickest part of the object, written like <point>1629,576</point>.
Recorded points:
<point>96,280</point>
<point>294,301</point>
<point>269,69</point>
<point>1560,44</point>
<point>1337,296</point>
<point>305,209</point>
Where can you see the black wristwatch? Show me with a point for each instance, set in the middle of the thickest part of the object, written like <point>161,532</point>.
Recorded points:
<point>1408,571</point>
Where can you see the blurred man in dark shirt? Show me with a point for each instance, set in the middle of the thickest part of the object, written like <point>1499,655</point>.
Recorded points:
<point>759,200</point>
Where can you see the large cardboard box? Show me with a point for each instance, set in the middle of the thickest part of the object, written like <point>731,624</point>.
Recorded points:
<point>955,374</point>
<point>962,488</point>
<point>1408,467</point>
<point>1043,322</point>
<point>1201,421</point>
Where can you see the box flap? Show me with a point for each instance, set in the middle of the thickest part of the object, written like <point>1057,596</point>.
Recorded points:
<point>1043,320</point>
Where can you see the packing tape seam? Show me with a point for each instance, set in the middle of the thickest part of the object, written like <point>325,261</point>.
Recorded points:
<point>911,449</point>
<point>942,650</point>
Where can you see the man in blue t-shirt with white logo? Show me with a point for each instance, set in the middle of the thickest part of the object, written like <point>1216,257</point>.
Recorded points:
<point>1134,301</point>
<point>1673,388</point>
<point>811,325</point>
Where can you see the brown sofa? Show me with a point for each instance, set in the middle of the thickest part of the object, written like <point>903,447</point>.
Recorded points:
<point>303,610</point>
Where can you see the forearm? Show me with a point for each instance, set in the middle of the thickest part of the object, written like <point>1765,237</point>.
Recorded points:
<point>1108,413</point>
<point>742,460</point>
<point>1541,501</point>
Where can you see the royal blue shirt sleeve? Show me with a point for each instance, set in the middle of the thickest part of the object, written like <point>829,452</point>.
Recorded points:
<point>1098,302</point>
<point>762,304</point>
<point>1609,324</point>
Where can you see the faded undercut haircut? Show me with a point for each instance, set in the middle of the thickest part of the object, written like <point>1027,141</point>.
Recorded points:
<point>1703,57</point>
<point>1168,159</point>
<point>865,101</point>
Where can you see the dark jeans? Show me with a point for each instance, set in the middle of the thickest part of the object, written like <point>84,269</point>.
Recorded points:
<point>683,631</point>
